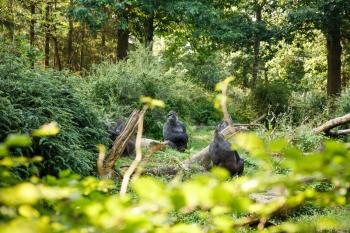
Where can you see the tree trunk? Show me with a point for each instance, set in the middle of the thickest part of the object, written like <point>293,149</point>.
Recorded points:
<point>10,24</point>
<point>47,34</point>
<point>256,48</point>
<point>334,51</point>
<point>122,44</point>
<point>123,37</point>
<point>82,48</point>
<point>149,31</point>
<point>32,32</point>
<point>57,53</point>
<point>70,38</point>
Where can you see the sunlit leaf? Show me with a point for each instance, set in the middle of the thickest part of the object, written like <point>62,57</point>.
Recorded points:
<point>152,102</point>
<point>18,140</point>
<point>50,129</point>
<point>3,150</point>
<point>28,211</point>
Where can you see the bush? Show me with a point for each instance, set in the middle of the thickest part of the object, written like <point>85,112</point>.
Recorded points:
<point>116,88</point>
<point>30,98</point>
<point>272,96</point>
<point>343,103</point>
<point>304,107</point>
<point>241,108</point>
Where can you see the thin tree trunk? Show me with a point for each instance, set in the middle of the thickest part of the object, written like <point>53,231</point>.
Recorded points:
<point>32,32</point>
<point>266,76</point>
<point>82,48</point>
<point>245,75</point>
<point>256,48</point>
<point>70,38</point>
<point>123,38</point>
<point>334,51</point>
<point>57,53</point>
<point>103,43</point>
<point>149,31</point>
<point>122,44</point>
<point>47,34</point>
<point>11,21</point>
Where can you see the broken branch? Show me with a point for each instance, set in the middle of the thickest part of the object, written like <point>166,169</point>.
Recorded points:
<point>326,127</point>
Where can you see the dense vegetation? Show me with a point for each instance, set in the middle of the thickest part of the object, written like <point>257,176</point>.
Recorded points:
<point>70,68</point>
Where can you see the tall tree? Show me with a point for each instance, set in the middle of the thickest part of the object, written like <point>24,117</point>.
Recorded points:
<point>69,52</point>
<point>47,32</point>
<point>256,63</point>
<point>332,18</point>
<point>32,31</point>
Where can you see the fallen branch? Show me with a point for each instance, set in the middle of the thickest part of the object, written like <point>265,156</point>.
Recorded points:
<point>326,127</point>
<point>149,143</point>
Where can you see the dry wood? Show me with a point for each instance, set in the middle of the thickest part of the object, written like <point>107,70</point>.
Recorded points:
<point>326,127</point>
<point>149,143</point>
<point>105,165</point>
<point>138,157</point>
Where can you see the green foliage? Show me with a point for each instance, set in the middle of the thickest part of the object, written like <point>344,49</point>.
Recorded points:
<point>30,98</point>
<point>72,204</point>
<point>241,104</point>
<point>117,88</point>
<point>271,97</point>
<point>343,103</point>
<point>304,107</point>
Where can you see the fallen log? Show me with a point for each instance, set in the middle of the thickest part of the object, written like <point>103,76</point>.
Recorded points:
<point>326,127</point>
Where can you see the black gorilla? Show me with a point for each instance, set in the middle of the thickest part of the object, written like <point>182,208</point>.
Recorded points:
<point>114,130</point>
<point>222,155</point>
<point>174,131</point>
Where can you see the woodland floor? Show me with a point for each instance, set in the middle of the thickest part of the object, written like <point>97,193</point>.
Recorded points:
<point>200,137</point>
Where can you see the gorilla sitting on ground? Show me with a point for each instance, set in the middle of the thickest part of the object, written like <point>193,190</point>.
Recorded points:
<point>174,131</point>
<point>222,155</point>
<point>115,130</point>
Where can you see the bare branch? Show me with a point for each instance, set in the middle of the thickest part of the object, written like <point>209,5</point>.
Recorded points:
<point>332,123</point>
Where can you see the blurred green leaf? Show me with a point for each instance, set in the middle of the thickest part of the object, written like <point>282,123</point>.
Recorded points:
<point>18,140</point>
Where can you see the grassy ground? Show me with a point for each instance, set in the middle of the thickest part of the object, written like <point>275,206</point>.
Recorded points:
<point>200,137</point>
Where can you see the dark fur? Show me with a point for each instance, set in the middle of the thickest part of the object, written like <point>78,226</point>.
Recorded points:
<point>174,131</point>
<point>115,130</point>
<point>222,155</point>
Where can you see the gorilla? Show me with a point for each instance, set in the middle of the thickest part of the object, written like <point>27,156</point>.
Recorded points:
<point>222,125</point>
<point>222,155</point>
<point>115,130</point>
<point>174,131</point>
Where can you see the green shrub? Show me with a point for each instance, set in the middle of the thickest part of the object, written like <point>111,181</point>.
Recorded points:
<point>305,107</point>
<point>116,88</point>
<point>271,97</point>
<point>343,103</point>
<point>240,105</point>
<point>30,98</point>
